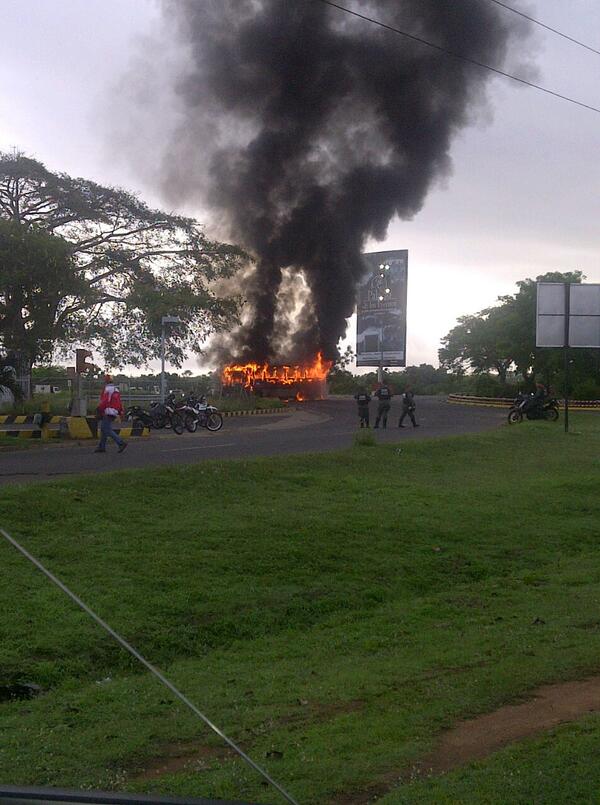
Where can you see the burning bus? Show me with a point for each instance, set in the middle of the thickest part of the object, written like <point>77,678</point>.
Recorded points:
<point>306,381</point>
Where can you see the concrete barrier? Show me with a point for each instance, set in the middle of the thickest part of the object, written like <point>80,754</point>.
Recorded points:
<point>29,426</point>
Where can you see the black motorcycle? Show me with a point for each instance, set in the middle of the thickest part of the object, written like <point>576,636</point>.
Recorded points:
<point>161,415</point>
<point>524,407</point>
<point>140,416</point>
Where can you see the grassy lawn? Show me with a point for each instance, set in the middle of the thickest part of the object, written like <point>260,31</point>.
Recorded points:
<point>332,613</point>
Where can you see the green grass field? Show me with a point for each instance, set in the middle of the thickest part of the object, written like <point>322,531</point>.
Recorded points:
<point>332,613</point>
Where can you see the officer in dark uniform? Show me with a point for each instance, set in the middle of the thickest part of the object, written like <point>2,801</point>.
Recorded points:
<point>408,408</point>
<point>384,395</point>
<point>363,398</point>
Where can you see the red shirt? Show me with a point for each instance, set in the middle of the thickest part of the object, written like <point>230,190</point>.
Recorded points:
<point>111,399</point>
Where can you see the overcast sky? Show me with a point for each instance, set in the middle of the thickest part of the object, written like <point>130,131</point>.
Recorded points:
<point>523,197</point>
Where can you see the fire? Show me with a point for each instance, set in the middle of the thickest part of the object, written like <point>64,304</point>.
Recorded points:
<point>249,375</point>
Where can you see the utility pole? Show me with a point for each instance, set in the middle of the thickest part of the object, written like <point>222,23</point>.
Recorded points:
<point>566,351</point>
<point>163,321</point>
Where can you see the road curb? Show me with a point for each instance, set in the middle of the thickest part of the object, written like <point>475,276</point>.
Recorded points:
<point>255,411</point>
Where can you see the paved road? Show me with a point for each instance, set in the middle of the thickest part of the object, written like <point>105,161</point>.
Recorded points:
<point>307,427</point>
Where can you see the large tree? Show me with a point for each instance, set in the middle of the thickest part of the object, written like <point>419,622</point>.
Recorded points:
<point>82,264</point>
<point>503,337</point>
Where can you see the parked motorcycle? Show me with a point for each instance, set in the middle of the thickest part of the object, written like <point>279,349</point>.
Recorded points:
<point>140,416</point>
<point>167,414</point>
<point>522,407</point>
<point>197,413</point>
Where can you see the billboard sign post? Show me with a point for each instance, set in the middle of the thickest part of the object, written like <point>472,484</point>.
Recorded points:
<point>381,310</point>
<point>568,315</point>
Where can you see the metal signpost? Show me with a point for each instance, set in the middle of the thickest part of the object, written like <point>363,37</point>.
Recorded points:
<point>163,321</point>
<point>568,316</point>
<point>381,311</point>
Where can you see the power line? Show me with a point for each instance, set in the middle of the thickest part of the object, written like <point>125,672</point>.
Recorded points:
<point>163,679</point>
<point>543,25</point>
<point>460,56</point>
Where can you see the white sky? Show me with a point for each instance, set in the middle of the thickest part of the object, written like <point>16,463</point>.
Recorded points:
<point>523,197</point>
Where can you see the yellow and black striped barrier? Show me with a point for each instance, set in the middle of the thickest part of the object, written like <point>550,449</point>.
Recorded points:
<point>254,411</point>
<point>29,426</point>
<point>506,402</point>
<point>32,426</point>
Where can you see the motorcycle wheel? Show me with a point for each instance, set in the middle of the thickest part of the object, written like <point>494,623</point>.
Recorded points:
<point>514,416</point>
<point>191,423</point>
<point>159,421</point>
<point>177,424</point>
<point>552,415</point>
<point>214,422</point>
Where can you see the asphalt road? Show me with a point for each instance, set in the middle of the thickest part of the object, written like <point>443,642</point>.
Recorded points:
<point>306,427</point>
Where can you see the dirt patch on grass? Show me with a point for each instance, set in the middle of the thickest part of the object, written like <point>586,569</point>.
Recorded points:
<point>180,757</point>
<point>479,737</point>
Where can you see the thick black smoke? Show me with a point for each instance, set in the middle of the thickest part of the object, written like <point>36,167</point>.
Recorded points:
<point>309,129</point>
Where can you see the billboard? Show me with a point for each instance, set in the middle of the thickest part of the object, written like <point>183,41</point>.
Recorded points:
<point>579,302</point>
<point>381,310</point>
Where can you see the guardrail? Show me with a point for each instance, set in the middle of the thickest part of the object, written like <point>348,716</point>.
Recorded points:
<point>506,402</point>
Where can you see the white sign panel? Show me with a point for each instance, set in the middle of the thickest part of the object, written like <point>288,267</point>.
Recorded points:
<point>550,325</point>
<point>584,316</point>
<point>583,310</point>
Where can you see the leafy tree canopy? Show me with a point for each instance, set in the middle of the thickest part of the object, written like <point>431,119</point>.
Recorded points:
<point>503,337</point>
<point>83,264</point>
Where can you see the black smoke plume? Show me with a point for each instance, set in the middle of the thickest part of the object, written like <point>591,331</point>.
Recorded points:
<point>309,129</point>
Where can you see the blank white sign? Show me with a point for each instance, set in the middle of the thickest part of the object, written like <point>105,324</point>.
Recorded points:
<point>550,328</point>
<point>584,315</point>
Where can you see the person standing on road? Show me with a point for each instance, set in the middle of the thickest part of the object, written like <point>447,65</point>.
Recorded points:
<point>363,398</point>
<point>109,408</point>
<point>408,408</point>
<point>384,395</point>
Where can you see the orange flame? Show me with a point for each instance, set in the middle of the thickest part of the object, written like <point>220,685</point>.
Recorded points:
<point>248,374</point>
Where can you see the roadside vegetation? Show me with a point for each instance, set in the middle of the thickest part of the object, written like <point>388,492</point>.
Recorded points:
<point>333,613</point>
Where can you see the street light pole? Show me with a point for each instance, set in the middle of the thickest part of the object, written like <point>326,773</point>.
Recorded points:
<point>163,321</point>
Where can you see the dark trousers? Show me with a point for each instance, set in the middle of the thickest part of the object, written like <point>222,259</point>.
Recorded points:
<point>411,414</point>
<point>363,414</point>
<point>382,413</point>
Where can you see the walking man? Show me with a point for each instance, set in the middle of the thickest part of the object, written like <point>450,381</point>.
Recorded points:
<point>384,395</point>
<point>109,408</point>
<point>363,398</point>
<point>408,408</point>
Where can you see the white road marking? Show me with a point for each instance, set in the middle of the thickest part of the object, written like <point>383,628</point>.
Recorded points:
<point>198,447</point>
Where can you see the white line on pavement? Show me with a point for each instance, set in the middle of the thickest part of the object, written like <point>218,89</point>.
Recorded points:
<point>198,447</point>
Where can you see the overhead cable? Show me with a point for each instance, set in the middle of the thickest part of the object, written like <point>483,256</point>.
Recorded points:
<point>543,25</point>
<point>460,56</point>
<point>163,679</point>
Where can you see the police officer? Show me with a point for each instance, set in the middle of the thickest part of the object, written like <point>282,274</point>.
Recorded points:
<point>363,398</point>
<point>384,395</point>
<point>408,407</point>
